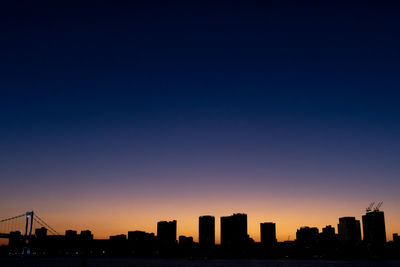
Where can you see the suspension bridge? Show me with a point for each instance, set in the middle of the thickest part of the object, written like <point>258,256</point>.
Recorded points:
<point>21,227</point>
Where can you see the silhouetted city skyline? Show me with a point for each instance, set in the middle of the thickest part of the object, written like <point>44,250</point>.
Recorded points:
<point>346,242</point>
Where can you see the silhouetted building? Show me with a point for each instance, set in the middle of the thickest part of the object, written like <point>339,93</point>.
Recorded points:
<point>166,231</point>
<point>307,236</point>
<point>328,231</point>
<point>86,235</point>
<point>327,235</point>
<point>234,230</point>
<point>39,242</point>
<point>349,231</point>
<point>41,233</point>
<point>186,245</point>
<point>396,238</point>
<point>268,234</point>
<point>15,242</point>
<point>374,227</point>
<point>328,240</point>
<point>71,234</point>
<point>206,231</point>
<point>141,243</point>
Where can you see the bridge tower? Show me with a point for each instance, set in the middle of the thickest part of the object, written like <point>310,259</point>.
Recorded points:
<point>28,232</point>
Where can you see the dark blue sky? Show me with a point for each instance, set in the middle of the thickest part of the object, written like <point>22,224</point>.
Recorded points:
<point>200,94</point>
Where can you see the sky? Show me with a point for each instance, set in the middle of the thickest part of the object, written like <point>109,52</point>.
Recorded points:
<point>116,116</point>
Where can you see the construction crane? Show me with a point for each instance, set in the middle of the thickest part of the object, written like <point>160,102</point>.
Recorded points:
<point>378,206</point>
<point>370,207</point>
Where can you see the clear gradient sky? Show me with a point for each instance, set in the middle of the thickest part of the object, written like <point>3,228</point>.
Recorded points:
<point>113,117</point>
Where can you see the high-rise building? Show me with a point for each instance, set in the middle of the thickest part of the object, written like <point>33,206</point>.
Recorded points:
<point>166,231</point>
<point>307,236</point>
<point>234,230</point>
<point>141,243</point>
<point>374,227</point>
<point>268,234</point>
<point>206,231</point>
<point>349,231</point>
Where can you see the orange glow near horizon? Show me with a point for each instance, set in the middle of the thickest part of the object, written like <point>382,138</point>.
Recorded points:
<point>106,215</point>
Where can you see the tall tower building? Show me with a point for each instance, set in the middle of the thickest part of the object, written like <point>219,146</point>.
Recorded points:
<point>374,227</point>
<point>206,231</point>
<point>166,231</point>
<point>349,231</point>
<point>268,234</point>
<point>234,230</point>
<point>307,236</point>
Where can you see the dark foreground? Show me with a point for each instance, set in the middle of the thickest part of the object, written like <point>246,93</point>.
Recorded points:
<point>124,262</point>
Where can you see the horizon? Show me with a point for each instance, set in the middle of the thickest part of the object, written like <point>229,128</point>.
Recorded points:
<point>117,115</point>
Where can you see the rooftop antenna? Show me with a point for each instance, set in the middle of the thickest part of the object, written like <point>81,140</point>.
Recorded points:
<point>370,207</point>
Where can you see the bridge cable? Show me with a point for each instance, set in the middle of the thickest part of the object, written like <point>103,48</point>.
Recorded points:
<point>46,225</point>
<point>51,231</point>
<point>12,218</point>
